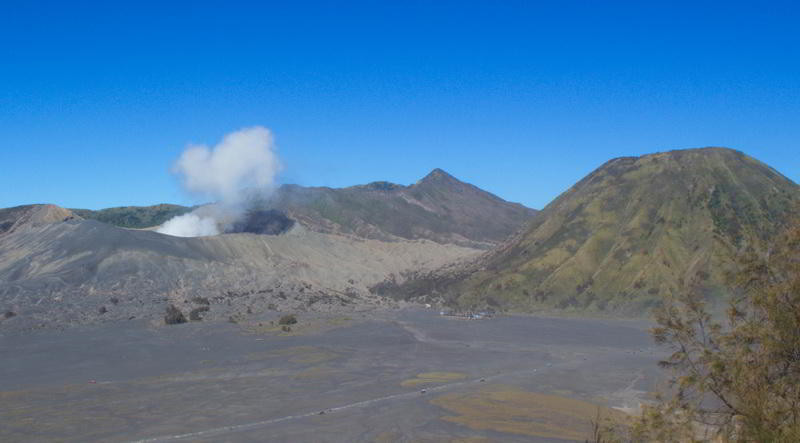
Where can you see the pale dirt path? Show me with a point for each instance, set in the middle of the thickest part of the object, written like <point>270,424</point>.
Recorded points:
<point>361,404</point>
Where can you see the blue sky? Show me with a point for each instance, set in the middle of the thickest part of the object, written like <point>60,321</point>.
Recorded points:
<point>97,100</point>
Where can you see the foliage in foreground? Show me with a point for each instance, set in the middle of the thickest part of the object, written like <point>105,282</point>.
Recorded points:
<point>736,379</point>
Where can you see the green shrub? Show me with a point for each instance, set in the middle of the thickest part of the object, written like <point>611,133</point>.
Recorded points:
<point>288,319</point>
<point>174,316</point>
<point>197,313</point>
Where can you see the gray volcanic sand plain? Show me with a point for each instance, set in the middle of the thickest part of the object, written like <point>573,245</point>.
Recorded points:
<point>333,379</point>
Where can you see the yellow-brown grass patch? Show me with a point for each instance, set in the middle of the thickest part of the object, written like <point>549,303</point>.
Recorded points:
<point>508,409</point>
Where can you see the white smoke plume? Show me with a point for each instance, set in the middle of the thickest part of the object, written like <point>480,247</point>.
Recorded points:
<point>189,225</point>
<point>243,160</point>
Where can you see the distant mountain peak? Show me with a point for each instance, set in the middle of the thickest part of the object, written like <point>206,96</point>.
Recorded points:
<point>439,176</point>
<point>12,218</point>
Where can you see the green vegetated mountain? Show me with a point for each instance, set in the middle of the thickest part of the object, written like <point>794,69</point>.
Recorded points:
<point>438,207</point>
<point>137,217</point>
<point>630,232</point>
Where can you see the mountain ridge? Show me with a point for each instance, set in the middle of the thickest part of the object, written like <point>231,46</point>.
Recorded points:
<point>136,217</point>
<point>438,207</point>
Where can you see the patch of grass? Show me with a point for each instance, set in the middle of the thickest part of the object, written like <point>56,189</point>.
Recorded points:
<point>313,373</point>
<point>340,321</point>
<point>427,378</point>
<point>511,410</point>
<point>313,357</point>
<point>295,354</point>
